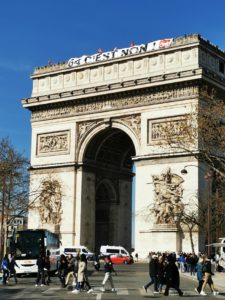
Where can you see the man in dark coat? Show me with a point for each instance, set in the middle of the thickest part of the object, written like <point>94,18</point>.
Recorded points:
<point>172,276</point>
<point>12,270</point>
<point>41,272</point>
<point>153,273</point>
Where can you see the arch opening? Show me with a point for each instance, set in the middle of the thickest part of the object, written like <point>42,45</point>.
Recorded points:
<point>107,190</point>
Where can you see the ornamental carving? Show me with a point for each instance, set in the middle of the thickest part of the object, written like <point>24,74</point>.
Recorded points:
<point>159,130</point>
<point>53,143</point>
<point>50,202</point>
<point>133,122</point>
<point>168,206</point>
<point>84,106</point>
<point>208,91</point>
<point>84,127</point>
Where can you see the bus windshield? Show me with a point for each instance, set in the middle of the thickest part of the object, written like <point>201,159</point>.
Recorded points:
<point>29,244</point>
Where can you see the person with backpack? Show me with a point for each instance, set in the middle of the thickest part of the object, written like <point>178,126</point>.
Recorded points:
<point>207,271</point>
<point>108,269</point>
<point>5,268</point>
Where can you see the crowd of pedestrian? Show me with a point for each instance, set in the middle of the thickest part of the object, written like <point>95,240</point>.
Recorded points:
<point>71,270</point>
<point>164,271</point>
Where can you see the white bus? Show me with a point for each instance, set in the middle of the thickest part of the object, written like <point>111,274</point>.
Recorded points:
<point>27,245</point>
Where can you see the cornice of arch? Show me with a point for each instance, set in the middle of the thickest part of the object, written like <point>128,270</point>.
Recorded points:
<point>116,101</point>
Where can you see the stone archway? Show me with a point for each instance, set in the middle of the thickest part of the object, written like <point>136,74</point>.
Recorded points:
<point>107,162</point>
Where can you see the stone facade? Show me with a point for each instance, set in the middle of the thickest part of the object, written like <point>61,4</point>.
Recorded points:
<point>89,123</point>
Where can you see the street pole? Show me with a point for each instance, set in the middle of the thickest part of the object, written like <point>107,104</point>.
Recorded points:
<point>2,218</point>
<point>208,178</point>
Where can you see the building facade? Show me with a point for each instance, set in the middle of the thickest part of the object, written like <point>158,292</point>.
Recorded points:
<point>98,126</point>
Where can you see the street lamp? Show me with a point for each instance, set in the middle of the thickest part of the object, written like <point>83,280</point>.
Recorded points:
<point>208,177</point>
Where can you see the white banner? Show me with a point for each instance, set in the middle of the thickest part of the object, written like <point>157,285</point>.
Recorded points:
<point>116,53</point>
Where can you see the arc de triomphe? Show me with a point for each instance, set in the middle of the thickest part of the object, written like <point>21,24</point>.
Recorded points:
<point>97,127</point>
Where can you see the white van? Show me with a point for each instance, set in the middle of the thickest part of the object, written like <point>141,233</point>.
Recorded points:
<point>113,250</point>
<point>75,249</point>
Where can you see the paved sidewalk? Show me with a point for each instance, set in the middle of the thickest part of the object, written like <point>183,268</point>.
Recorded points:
<point>218,279</point>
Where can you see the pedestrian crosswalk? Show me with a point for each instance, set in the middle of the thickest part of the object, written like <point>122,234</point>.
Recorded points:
<point>98,294</point>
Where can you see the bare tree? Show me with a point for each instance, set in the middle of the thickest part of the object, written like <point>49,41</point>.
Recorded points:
<point>201,132</point>
<point>13,186</point>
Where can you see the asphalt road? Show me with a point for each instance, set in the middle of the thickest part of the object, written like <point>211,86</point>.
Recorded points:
<point>128,284</point>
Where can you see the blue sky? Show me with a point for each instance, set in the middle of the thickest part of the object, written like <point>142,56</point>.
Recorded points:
<point>35,31</point>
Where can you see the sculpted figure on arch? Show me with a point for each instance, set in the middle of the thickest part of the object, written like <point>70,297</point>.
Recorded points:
<point>168,197</point>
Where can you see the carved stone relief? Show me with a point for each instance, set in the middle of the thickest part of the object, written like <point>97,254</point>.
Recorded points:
<point>159,130</point>
<point>50,143</point>
<point>133,122</point>
<point>168,205</point>
<point>50,202</point>
<point>80,107</point>
<point>84,127</point>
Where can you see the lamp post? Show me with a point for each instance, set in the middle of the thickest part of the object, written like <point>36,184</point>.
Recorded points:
<point>208,179</point>
<point>3,179</point>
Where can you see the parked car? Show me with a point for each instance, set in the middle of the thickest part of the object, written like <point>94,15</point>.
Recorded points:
<point>120,259</point>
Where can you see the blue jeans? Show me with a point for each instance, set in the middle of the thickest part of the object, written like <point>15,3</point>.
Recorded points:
<point>154,280</point>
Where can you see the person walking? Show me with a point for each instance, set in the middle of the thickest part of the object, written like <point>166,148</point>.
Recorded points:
<point>47,268</point>
<point>96,262</point>
<point>71,264</point>
<point>161,272</point>
<point>153,273</point>
<point>193,262</point>
<point>136,257</point>
<point>12,270</point>
<point>182,262</point>
<point>198,269</point>
<point>82,278</point>
<point>108,269</point>
<point>63,269</point>
<point>172,276</point>
<point>41,272</point>
<point>5,269</point>
<point>76,266</point>
<point>206,269</point>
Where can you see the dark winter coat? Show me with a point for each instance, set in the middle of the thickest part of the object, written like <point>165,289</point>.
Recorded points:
<point>12,265</point>
<point>207,267</point>
<point>153,267</point>
<point>172,274</point>
<point>41,263</point>
<point>161,272</point>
